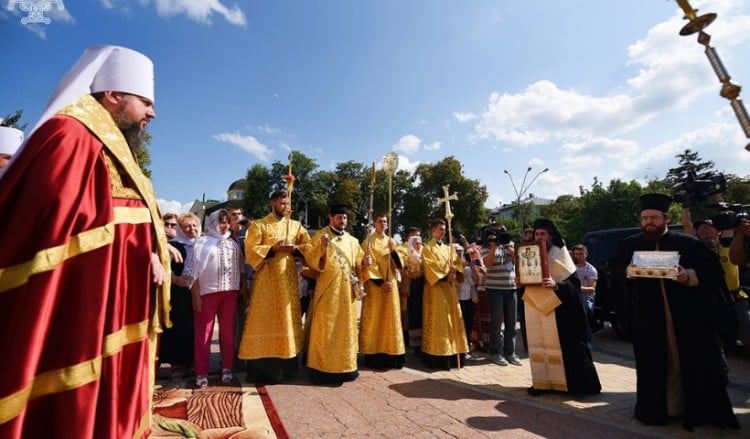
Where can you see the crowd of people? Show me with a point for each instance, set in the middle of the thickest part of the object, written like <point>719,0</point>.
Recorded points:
<point>96,286</point>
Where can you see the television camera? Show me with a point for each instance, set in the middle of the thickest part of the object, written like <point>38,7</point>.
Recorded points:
<point>729,215</point>
<point>696,190</point>
<point>488,234</point>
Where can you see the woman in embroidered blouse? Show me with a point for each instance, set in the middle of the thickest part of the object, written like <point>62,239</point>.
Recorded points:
<point>214,271</point>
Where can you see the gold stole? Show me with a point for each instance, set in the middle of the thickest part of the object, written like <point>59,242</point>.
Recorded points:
<point>545,353</point>
<point>96,118</point>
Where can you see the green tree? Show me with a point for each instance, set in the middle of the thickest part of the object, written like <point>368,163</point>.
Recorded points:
<point>13,120</point>
<point>689,163</point>
<point>142,154</point>
<point>259,186</point>
<point>469,211</point>
<point>565,211</point>
<point>615,206</point>
<point>738,189</point>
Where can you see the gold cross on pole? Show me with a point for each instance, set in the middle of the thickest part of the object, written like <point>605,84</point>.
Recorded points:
<point>447,200</point>
<point>449,216</point>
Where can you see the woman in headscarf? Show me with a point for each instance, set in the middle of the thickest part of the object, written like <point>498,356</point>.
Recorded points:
<point>415,274</point>
<point>215,273</point>
<point>176,343</point>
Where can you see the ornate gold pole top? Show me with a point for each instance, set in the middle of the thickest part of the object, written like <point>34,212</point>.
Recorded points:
<point>729,90</point>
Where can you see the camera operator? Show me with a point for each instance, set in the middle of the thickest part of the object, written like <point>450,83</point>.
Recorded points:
<point>719,242</point>
<point>739,253</point>
<point>501,294</point>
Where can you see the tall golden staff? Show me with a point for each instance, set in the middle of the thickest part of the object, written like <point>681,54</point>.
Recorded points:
<point>390,164</point>
<point>289,178</point>
<point>449,217</point>
<point>728,90</point>
<point>370,212</point>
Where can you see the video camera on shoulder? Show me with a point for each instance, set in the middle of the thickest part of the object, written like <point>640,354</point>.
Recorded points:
<point>729,215</point>
<point>498,235</point>
<point>695,190</point>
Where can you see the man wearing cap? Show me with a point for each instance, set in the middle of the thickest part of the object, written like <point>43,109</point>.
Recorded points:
<point>719,244</point>
<point>83,290</point>
<point>10,139</point>
<point>556,323</point>
<point>337,258</point>
<point>677,357</point>
<point>272,336</point>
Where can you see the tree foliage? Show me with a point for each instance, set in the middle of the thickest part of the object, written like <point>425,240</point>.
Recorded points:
<point>689,162</point>
<point>414,196</point>
<point>13,120</point>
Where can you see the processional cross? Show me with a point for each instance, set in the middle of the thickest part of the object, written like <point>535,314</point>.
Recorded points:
<point>449,217</point>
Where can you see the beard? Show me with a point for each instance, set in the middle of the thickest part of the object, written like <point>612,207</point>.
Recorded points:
<point>134,135</point>
<point>653,233</point>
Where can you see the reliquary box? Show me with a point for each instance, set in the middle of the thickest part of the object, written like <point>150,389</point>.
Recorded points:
<point>654,264</point>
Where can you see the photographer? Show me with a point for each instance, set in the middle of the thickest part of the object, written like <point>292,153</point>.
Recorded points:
<point>501,294</point>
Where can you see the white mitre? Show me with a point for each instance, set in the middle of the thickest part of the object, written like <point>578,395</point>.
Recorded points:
<point>102,68</point>
<point>561,265</point>
<point>10,140</point>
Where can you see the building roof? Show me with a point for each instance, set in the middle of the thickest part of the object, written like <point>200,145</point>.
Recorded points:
<point>238,185</point>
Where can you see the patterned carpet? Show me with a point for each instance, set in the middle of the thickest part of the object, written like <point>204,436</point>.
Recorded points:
<point>218,411</point>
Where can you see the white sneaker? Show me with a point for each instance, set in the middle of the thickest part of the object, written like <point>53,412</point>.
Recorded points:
<point>498,359</point>
<point>472,357</point>
<point>201,380</point>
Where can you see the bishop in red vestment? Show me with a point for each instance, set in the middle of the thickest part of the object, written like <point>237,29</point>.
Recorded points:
<point>82,246</point>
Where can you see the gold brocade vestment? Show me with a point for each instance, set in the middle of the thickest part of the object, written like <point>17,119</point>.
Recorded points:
<point>443,330</point>
<point>273,327</point>
<point>333,346</point>
<point>380,328</point>
<point>545,352</point>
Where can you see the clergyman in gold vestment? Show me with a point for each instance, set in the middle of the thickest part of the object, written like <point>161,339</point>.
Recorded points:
<point>443,334</point>
<point>272,336</point>
<point>381,336</point>
<point>337,257</point>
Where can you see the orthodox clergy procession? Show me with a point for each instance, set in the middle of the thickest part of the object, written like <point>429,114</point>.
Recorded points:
<point>270,258</point>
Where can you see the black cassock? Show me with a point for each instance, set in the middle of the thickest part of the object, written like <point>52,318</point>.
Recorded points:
<point>641,313</point>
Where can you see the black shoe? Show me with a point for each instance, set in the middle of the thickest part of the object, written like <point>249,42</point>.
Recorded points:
<point>535,392</point>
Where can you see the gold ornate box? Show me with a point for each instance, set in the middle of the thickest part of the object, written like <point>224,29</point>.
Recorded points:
<point>654,264</point>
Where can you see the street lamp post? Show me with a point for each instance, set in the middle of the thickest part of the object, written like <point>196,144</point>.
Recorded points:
<point>522,191</point>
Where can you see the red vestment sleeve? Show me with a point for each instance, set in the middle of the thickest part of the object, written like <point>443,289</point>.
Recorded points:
<point>72,327</point>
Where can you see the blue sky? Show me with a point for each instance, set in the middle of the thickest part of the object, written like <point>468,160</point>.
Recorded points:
<point>585,87</point>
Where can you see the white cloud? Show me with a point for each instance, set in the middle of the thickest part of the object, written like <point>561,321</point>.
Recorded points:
<point>173,206</point>
<point>464,117</point>
<point>409,144</point>
<point>405,165</point>
<point>543,112</point>
<point>247,143</point>
<point>199,10</point>
<point>434,146</point>
<point>672,73</point>
<point>267,129</point>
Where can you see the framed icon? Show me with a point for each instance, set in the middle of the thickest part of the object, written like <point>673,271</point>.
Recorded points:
<point>531,263</point>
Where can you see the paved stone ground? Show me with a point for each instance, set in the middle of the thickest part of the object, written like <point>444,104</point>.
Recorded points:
<point>486,400</point>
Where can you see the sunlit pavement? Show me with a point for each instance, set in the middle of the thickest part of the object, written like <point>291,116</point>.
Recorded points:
<point>487,400</point>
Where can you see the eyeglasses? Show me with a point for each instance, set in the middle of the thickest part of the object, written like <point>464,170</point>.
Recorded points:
<point>170,225</point>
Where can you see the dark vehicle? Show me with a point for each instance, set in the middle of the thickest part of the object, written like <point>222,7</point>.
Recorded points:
<point>601,246</point>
